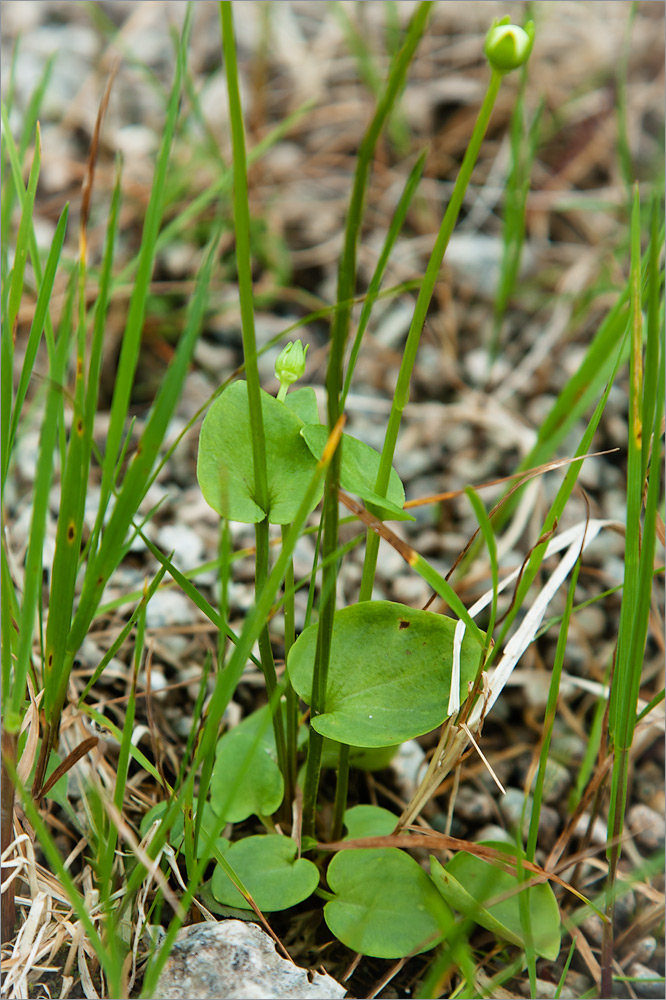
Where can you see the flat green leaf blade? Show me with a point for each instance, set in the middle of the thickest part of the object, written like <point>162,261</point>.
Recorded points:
<point>263,788</point>
<point>389,673</point>
<point>385,905</point>
<point>358,474</point>
<point>225,462</point>
<point>468,882</point>
<point>268,868</point>
<point>369,821</point>
<point>303,402</point>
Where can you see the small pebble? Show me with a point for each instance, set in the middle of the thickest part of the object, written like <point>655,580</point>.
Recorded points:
<point>649,785</point>
<point>511,806</point>
<point>592,927</point>
<point>186,545</point>
<point>651,990</point>
<point>645,949</point>
<point>473,805</point>
<point>546,990</point>
<point>411,590</point>
<point>493,832</point>
<point>407,766</point>
<point>169,607</point>
<point>647,826</point>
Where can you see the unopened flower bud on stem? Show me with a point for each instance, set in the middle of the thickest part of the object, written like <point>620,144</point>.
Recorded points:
<point>508,46</point>
<point>290,366</point>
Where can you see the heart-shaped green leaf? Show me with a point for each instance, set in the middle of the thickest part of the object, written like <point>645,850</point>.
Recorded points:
<point>304,404</point>
<point>270,871</point>
<point>261,790</point>
<point>358,474</point>
<point>364,758</point>
<point>369,821</point>
<point>468,883</point>
<point>389,673</point>
<point>385,905</point>
<point>225,464</point>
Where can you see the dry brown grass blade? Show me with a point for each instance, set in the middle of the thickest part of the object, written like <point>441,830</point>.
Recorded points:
<point>442,842</point>
<point>64,766</point>
<point>406,551</point>
<point>523,478</point>
<point>89,177</point>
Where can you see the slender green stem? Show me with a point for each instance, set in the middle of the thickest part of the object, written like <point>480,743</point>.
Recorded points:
<point>265,648</point>
<point>243,256</point>
<point>401,394</point>
<point>334,373</point>
<point>341,791</point>
<point>292,698</point>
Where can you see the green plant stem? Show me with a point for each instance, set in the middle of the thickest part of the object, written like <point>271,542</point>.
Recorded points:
<point>401,394</point>
<point>291,696</point>
<point>265,648</point>
<point>334,373</point>
<point>243,256</point>
<point>341,791</point>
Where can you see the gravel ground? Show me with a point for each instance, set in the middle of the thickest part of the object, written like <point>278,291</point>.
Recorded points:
<point>469,419</point>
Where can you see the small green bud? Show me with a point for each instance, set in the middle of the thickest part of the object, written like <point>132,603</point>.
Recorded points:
<point>290,366</point>
<point>508,46</point>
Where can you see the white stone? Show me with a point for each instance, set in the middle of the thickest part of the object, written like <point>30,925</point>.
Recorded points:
<point>235,958</point>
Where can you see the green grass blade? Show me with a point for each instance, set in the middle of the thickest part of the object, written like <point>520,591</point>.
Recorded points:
<point>137,477</point>
<point>401,394</point>
<point>395,227</point>
<point>43,478</point>
<point>334,372</point>
<point>244,255</point>
<point>23,237</point>
<point>34,336</point>
<point>131,342</point>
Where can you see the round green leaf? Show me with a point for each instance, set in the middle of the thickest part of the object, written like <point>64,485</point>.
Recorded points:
<point>225,464</point>
<point>358,474</point>
<point>268,868</point>
<point>364,758</point>
<point>467,883</point>
<point>389,673</point>
<point>385,905</point>
<point>304,404</point>
<point>369,821</point>
<point>261,790</point>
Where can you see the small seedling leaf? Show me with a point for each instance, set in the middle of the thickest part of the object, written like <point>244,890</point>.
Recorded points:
<point>468,882</point>
<point>358,474</point>
<point>270,871</point>
<point>262,789</point>
<point>385,905</point>
<point>389,673</point>
<point>225,465</point>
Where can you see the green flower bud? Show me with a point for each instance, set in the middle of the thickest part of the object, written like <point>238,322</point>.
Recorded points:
<point>290,366</point>
<point>508,46</point>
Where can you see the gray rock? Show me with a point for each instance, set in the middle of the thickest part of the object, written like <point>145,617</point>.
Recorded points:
<point>647,825</point>
<point>653,987</point>
<point>232,958</point>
